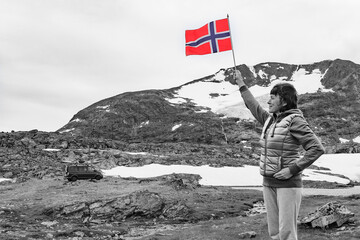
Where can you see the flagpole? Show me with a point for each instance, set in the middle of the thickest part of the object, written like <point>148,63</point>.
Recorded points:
<point>232,46</point>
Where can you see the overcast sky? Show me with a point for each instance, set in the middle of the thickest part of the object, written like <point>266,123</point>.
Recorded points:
<point>60,56</point>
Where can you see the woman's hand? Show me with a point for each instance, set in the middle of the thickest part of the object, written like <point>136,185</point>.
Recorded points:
<point>239,79</point>
<point>283,174</point>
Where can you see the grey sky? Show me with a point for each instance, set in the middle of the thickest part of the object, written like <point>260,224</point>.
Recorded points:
<point>60,56</point>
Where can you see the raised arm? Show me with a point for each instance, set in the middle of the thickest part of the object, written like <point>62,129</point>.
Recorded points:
<point>251,103</point>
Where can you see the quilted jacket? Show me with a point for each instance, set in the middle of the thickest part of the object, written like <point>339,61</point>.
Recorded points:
<point>283,136</point>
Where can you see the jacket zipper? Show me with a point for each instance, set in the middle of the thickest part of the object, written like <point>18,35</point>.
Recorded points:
<point>266,134</point>
<point>265,158</point>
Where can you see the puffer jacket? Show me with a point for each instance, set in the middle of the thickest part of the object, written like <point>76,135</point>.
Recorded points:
<point>278,148</point>
<point>281,140</point>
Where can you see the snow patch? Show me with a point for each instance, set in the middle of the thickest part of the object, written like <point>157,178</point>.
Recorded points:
<point>220,76</point>
<point>51,150</point>
<point>345,164</point>
<point>67,130</point>
<point>137,153</point>
<point>106,108</point>
<point>103,107</point>
<point>326,90</point>
<point>306,82</point>
<point>176,127</point>
<point>356,140</point>
<point>199,93</point>
<point>343,140</point>
<point>228,100</point>
<point>310,174</point>
<point>144,123</point>
<point>252,69</point>
<point>262,74</point>
<point>224,176</point>
<point>77,120</point>
<point>202,111</point>
<point>177,100</point>
<point>7,180</point>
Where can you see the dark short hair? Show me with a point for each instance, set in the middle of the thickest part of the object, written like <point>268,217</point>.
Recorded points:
<point>287,93</point>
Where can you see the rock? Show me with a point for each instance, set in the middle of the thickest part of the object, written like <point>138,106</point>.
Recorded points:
<point>143,203</point>
<point>28,142</point>
<point>257,208</point>
<point>71,157</point>
<point>250,234</point>
<point>64,145</point>
<point>41,147</point>
<point>49,236</point>
<point>49,224</point>
<point>330,213</point>
<point>6,166</point>
<point>181,181</point>
<point>176,211</point>
<point>79,233</point>
<point>8,175</point>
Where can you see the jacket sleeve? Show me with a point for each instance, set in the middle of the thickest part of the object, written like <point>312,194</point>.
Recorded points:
<point>300,130</point>
<point>253,105</point>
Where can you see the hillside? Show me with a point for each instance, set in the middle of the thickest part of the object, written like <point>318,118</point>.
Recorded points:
<point>210,110</point>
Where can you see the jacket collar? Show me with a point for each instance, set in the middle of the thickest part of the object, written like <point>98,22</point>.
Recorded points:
<point>280,116</point>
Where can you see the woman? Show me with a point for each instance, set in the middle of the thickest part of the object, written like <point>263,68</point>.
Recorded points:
<point>284,132</point>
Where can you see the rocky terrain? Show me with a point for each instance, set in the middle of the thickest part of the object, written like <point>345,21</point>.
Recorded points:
<point>167,207</point>
<point>38,203</point>
<point>139,128</point>
<point>35,154</point>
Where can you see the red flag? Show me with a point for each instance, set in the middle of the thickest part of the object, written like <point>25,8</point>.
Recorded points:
<point>212,38</point>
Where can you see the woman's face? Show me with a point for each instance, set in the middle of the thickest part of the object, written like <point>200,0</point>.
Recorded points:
<point>275,104</point>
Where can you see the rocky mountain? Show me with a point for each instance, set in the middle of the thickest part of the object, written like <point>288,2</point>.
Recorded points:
<point>203,122</point>
<point>210,110</point>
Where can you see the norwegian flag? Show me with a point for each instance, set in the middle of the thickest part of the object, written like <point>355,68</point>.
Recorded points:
<point>212,38</point>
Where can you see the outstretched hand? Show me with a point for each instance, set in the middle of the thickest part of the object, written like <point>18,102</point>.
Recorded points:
<point>283,174</point>
<point>239,79</point>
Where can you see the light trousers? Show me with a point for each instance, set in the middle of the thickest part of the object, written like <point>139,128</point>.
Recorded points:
<point>282,209</point>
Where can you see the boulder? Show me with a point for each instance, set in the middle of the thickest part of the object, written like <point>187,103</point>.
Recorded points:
<point>328,214</point>
<point>143,203</point>
<point>250,234</point>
